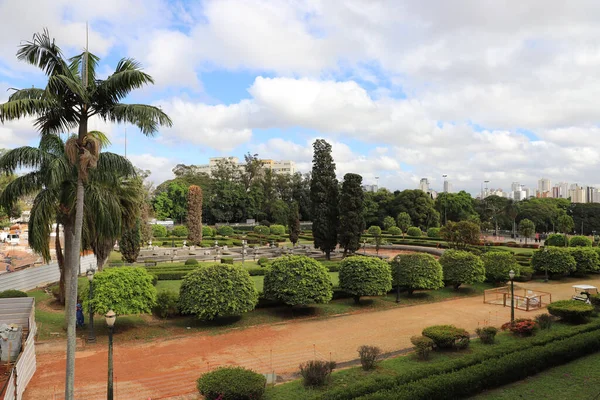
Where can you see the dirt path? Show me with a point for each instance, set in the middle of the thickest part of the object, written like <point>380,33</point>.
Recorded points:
<point>169,367</point>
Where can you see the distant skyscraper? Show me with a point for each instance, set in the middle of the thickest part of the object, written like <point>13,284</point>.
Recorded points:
<point>577,194</point>
<point>424,185</point>
<point>543,186</point>
<point>447,187</point>
<point>590,193</point>
<point>515,186</point>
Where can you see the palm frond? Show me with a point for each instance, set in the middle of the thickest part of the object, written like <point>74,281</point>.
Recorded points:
<point>23,185</point>
<point>43,214</point>
<point>62,85</point>
<point>127,77</point>
<point>57,119</point>
<point>78,64</point>
<point>147,118</point>
<point>43,53</point>
<point>26,156</point>
<point>52,144</point>
<point>100,137</point>
<point>31,93</point>
<point>114,165</point>
<point>23,107</point>
<point>59,171</point>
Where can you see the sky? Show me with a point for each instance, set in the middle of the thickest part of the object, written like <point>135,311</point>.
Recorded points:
<point>476,89</point>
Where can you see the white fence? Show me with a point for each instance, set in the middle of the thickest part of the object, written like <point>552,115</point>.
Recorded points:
<point>32,277</point>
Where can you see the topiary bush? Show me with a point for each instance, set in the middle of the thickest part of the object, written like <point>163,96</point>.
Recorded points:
<point>487,334</point>
<point>417,272</point>
<point>191,261</point>
<point>218,290</point>
<point>365,276</point>
<point>316,373</point>
<point>521,327</point>
<point>572,311</point>
<point>159,231</point>
<point>232,383</point>
<point>586,259</point>
<point>395,231</point>
<point>297,280</point>
<point>434,232</point>
<point>166,304</point>
<point>227,260</point>
<point>225,230</point>
<point>559,261</point>
<point>497,265</point>
<point>277,230</point>
<point>448,336</point>
<point>556,240</point>
<point>369,356</point>
<point>423,346</point>
<point>580,241</point>
<point>180,231</point>
<point>207,231</point>
<point>262,230</point>
<point>413,231</point>
<point>263,261</point>
<point>461,267</point>
<point>12,293</point>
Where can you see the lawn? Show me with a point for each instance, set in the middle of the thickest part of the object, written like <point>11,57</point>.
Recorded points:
<point>579,379</point>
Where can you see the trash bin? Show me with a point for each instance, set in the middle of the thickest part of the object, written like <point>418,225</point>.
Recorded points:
<point>10,342</point>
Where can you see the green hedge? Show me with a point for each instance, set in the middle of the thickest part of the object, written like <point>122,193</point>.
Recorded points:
<point>377,383</point>
<point>571,310</point>
<point>12,293</point>
<point>231,383</point>
<point>171,275</point>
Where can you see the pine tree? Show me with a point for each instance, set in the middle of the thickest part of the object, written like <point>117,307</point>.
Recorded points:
<point>324,198</point>
<point>294,223</point>
<point>129,244</point>
<point>352,222</point>
<point>194,214</point>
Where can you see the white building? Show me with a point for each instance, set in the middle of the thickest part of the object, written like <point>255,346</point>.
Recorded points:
<point>278,167</point>
<point>577,194</point>
<point>447,187</point>
<point>424,185</point>
<point>544,186</point>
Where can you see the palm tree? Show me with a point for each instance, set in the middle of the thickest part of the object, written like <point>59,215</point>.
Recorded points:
<point>512,211</point>
<point>71,97</point>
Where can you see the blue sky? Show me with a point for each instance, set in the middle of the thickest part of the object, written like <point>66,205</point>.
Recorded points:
<point>402,89</point>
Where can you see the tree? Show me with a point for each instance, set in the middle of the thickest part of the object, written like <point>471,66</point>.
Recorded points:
<point>159,231</point>
<point>375,231</point>
<point>324,198</point>
<point>352,222</point>
<point>172,203</point>
<point>417,271</point>
<point>580,241</point>
<point>460,234</point>
<point>565,225</point>
<point>526,229</point>
<point>418,205</point>
<point>72,96</point>
<point>454,206</point>
<point>365,276</point>
<point>125,290</point>
<point>130,243</point>
<point>403,221</point>
<point>388,222</point>
<point>556,239</point>
<point>261,231</point>
<point>194,214</point>
<point>556,260</point>
<point>294,223</point>
<point>462,267</point>
<point>297,280</point>
<point>498,264</point>
<point>218,290</point>
<point>586,259</point>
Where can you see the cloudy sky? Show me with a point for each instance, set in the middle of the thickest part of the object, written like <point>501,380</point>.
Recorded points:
<point>479,90</point>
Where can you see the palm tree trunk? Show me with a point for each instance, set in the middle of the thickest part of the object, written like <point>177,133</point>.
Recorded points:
<point>60,258</point>
<point>73,257</point>
<point>102,250</point>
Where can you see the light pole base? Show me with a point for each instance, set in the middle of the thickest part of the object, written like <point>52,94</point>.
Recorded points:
<point>91,340</point>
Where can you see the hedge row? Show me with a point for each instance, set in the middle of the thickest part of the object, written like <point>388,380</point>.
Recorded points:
<point>376,383</point>
<point>494,372</point>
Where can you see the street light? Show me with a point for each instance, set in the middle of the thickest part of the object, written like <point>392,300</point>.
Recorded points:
<point>545,253</point>
<point>111,317</point>
<point>397,285</point>
<point>511,275</point>
<point>90,275</point>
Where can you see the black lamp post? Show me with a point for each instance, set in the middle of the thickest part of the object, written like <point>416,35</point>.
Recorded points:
<point>111,317</point>
<point>511,275</point>
<point>91,336</point>
<point>546,272</point>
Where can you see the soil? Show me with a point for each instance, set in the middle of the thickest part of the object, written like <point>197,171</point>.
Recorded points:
<point>168,368</point>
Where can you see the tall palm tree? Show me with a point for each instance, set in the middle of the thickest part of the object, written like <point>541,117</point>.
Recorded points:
<point>512,211</point>
<point>71,97</point>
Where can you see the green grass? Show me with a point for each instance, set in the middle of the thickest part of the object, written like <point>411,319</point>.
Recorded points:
<point>579,379</point>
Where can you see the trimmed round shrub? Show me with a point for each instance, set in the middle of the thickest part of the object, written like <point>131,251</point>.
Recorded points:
<point>207,231</point>
<point>191,261</point>
<point>414,231</point>
<point>417,272</point>
<point>573,311</point>
<point>225,230</point>
<point>423,346</point>
<point>434,232</point>
<point>556,239</point>
<point>388,222</point>
<point>159,231</point>
<point>227,260</point>
<point>447,336</point>
<point>263,261</point>
<point>462,267</point>
<point>497,265</point>
<point>232,383</point>
<point>277,230</point>
<point>365,276</point>
<point>180,231</point>
<point>12,293</point>
<point>166,304</point>
<point>297,280</point>
<point>395,231</point>
<point>262,230</point>
<point>218,290</point>
<point>586,259</point>
<point>559,261</point>
<point>580,241</point>
<point>487,334</point>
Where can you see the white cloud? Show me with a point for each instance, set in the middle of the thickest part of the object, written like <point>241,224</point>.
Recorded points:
<point>160,167</point>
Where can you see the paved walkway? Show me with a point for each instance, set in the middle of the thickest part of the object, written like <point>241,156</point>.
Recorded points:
<point>169,367</point>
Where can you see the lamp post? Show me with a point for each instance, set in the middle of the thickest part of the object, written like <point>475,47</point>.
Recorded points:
<point>546,274</point>
<point>511,275</point>
<point>397,285</point>
<point>243,251</point>
<point>445,199</point>
<point>91,335</point>
<point>111,317</point>
<point>364,247</point>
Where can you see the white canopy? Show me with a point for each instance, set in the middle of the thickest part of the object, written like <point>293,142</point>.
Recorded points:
<point>584,287</point>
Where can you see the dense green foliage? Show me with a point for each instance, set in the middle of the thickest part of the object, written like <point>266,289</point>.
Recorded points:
<point>403,221</point>
<point>129,244</point>
<point>565,224</point>
<point>498,264</point>
<point>419,206</point>
<point>218,290</point>
<point>460,234</point>
<point>125,290</point>
<point>294,223</point>
<point>225,230</point>
<point>447,336</point>
<point>526,228</point>
<point>556,239</point>
<point>207,231</point>
<point>388,222</point>
<point>417,272</point>
<point>277,230</point>
<point>558,261</point>
<point>434,232</point>
<point>455,206</point>
<point>191,261</point>
<point>232,383</point>
<point>167,304</point>
<point>423,346</point>
<point>365,276</point>
<point>324,198</point>
<point>159,230</point>
<point>461,267</point>
<point>586,259</point>
<point>12,293</point>
<point>297,280</point>
<point>571,310</point>
<point>352,222</point>
<point>580,241</point>
<point>172,202</point>
<point>395,231</point>
<point>180,231</point>
<point>413,231</point>
<point>194,214</point>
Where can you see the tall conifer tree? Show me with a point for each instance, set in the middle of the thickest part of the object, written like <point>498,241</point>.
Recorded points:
<point>352,221</point>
